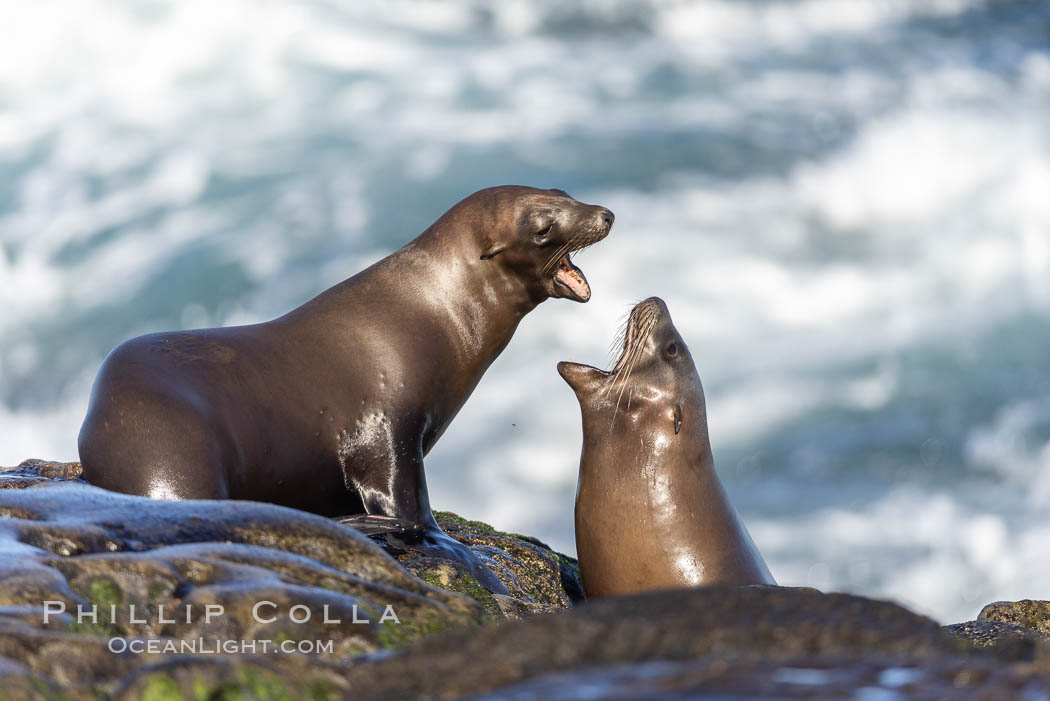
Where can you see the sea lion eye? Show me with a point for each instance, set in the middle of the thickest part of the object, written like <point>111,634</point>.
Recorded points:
<point>672,349</point>
<point>541,236</point>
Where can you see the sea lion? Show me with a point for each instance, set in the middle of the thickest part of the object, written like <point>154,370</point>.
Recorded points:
<point>650,510</point>
<point>332,407</point>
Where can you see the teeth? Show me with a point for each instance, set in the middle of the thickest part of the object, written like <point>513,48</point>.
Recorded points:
<point>572,279</point>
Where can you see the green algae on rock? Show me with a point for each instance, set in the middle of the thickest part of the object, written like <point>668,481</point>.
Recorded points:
<point>1028,613</point>
<point>538,579</point>
<point>228,678</point>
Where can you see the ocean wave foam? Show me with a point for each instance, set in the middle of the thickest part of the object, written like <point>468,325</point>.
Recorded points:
<point>816,198</point>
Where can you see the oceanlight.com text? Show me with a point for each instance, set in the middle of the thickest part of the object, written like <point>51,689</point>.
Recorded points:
<point>200,646</point>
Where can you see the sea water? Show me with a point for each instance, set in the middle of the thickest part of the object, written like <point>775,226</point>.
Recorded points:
<point>845,204</point>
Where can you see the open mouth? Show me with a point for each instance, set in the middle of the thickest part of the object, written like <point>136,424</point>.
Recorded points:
<point>572,278</point>
<point>569,278</point>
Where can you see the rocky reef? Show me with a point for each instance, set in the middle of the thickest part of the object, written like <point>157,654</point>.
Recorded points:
<point>215,587</point>
<point>107,596</point>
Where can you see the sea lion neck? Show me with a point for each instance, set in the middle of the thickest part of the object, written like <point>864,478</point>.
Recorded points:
<point>438,272</point>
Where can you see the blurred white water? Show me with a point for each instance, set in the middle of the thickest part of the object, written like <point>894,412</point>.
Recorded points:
<point>843,203</point>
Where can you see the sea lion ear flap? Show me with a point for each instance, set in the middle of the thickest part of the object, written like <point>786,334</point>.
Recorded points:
<point>677,418</point>
<point>491,248</point>
<point>582,378</point>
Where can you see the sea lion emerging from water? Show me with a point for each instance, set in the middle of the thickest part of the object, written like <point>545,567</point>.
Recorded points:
<point>650,510</point>
<point>332,407</point>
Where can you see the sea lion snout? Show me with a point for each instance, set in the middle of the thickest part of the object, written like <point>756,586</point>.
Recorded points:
<point>601,223</point>
<point>582,378</point>
<point>603,220</point>
<point>651,306</point>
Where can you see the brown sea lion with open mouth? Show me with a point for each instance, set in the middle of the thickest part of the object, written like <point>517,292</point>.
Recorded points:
<point>650,510</point>
<point>332,407</point>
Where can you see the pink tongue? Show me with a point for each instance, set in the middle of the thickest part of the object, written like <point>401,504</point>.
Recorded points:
<point>575,282</point>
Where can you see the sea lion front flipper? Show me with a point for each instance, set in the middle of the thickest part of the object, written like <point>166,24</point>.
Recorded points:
<point>374,524</point>
<point>437,544</point>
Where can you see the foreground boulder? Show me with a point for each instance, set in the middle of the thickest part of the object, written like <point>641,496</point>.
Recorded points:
<point>85,573</point>
<point>1022,627</point>
<point>714,643</point>
<point>755,623</point>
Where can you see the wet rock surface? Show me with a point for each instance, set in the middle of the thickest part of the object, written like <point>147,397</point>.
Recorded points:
<point>149,570</point>
<point>80,566</point>
<point>537,578</point>
<point>36,471</point>
<point>74,545</point>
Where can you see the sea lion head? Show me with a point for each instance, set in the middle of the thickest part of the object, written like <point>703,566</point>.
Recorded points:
<point>533,233</point>
<point>653,379</point>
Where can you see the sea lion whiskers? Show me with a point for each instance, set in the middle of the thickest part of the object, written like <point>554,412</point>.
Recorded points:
<point>616,347</point>
<point>566,248</point>
<point>633,358</point>
<point>636,330</point>
<point>628,345</point>
<point>577,243</point>
<point>618,366</point>
<point>570,246</point>
<point>634,346</point>
<point>558,255</point>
